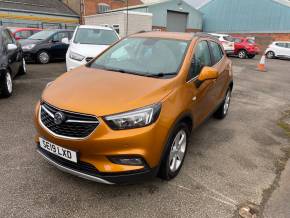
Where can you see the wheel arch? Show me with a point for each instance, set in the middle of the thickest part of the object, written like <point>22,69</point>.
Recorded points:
<point>184,117</point>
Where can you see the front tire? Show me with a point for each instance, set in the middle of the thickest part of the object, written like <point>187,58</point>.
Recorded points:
<point>270,55</point>
<point>43,57</point>
<point>223,109</point>
<point>175,153</point>
<point>242,54</point>
<point>7,85</point>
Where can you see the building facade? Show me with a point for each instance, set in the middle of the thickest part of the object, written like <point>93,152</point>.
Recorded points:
<point>171,15</point>
<point>91,7</point>
<point>266,20</point>
<point>40,14</point>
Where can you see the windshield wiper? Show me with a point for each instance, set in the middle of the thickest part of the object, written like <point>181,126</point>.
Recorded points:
<point>158,75</point>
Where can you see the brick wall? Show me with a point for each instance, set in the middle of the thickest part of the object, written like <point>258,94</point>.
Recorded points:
<point>91,6</point>
<point>264,39</point>
<point>160,28</point>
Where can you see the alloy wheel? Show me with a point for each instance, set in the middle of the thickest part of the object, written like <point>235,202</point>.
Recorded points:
<point>24,65</point>
<point>9,82</point>
<point>270,55</point>
<point>227,102</point>
<point>177,151</point>
<point>242,54</point>
<point>43,57</point>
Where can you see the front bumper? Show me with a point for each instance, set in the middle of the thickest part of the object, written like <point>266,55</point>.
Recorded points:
<point>87,171</point>
<point>95,151</point>
<point>29,56</point>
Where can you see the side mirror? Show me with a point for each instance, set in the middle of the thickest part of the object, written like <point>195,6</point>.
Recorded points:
<point>65,40</point>
<point>208,73</point>
<point>11,47</point>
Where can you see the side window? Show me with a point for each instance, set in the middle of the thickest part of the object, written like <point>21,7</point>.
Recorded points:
<point>7,39</point>
<point>59,36</point>
<point>280,44</point>
<point>216,52</point>
<point>201,59</point>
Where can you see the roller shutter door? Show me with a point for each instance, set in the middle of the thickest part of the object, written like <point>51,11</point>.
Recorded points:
<point>176,21</point>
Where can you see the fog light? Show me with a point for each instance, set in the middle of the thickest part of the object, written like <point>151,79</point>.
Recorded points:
<point>133,161</point>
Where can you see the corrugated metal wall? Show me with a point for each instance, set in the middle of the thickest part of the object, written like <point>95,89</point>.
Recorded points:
<point>246,16</point>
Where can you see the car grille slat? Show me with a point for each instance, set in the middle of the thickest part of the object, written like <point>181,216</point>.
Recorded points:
<point>80,125</point>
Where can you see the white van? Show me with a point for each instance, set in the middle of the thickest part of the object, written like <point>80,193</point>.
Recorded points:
<point>87,42</point>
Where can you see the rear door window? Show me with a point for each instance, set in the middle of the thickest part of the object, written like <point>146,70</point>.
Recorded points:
<point>217,52</point>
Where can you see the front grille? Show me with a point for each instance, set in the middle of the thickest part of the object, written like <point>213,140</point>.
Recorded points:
<point>88,59</point>
<point>80,166</point>
<point>73,125</point>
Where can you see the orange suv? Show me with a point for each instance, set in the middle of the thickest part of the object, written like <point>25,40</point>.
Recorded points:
<point>129,112</point>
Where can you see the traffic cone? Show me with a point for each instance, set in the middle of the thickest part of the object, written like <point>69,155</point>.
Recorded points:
<point>261,65</point>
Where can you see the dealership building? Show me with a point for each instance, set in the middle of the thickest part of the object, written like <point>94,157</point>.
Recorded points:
<point>36,13</point>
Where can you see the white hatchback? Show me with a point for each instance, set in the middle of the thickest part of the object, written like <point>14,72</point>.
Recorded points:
<point>87,42</point>
<point>227,42</point>
<point>279,49</point>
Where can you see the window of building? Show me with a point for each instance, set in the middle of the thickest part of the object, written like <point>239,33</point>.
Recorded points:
<point>102,8</point>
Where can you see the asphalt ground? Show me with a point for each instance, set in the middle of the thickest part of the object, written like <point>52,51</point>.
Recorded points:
<point>229,163</point>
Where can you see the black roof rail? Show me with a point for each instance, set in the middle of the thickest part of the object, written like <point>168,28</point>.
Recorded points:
<point>203,34</point>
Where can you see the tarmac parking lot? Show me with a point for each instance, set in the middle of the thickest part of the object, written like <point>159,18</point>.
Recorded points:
<point>230,163</point>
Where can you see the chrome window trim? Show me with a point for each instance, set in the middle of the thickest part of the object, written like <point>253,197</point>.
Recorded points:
<point>61,136</point>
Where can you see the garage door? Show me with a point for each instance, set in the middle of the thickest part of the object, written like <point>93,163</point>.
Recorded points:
<point>176,21</point>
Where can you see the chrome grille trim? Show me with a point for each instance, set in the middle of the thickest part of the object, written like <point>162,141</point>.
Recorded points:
<point>44,108</point>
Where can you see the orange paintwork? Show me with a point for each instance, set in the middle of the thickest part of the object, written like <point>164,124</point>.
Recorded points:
<point>98,92</point>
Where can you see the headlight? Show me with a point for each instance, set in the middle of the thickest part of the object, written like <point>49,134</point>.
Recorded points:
<point>134,119</point>
<point>76,56</point>
<point>28,47</point>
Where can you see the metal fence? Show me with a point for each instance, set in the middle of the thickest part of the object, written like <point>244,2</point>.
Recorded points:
<point>41,25</point>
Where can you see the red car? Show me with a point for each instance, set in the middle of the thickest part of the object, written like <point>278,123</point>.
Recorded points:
<point>245,47</point>
<point>23,32</point>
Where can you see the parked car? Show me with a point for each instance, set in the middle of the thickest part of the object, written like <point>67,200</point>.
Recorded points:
<point>11,61</point>
<point>128,113</point>
<point>279,49</point>
<point>227,42</point>
<point>23,32</point>
<point>46,45</point>
<point>87,42</point>
<point>245,47</point>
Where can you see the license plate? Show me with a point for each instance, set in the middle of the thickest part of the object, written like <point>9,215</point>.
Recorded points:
<point>58,150</point>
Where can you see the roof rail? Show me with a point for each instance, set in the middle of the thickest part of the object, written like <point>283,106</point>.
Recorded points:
<point>204,34</point>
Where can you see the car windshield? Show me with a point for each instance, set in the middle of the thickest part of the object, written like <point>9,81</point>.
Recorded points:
<point>144,56</point>
<point>229,38</point>
<point>42,35</point>
<point>95,36</point>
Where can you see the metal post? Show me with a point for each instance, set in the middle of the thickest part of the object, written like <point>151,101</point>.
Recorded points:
<point>127,24</point>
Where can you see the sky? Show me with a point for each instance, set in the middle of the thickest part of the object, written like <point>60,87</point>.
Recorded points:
<point>194,3</point>
<point>197,3</point>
